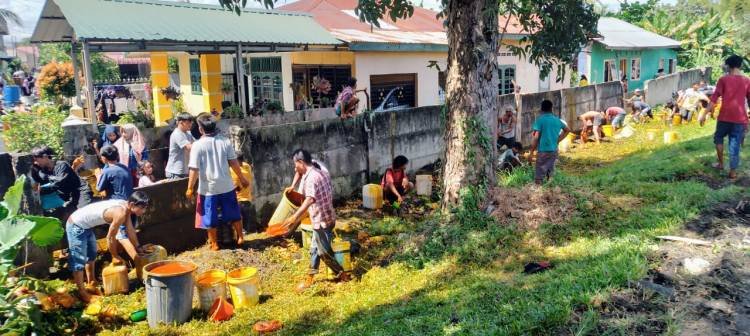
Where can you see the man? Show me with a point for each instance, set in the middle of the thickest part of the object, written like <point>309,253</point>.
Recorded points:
<point>180,143</point>
<point>245,195</point>
<point>61,189</point>
<point>79,230</point>
<point>659,74</point>
<point>591,120</point>
<point>616,117</point>
<point>689,102</point>
<point>115,182</point>
<point>509,159</point>
<point>506,128</point>
<point>641,110</point>
<point>210,160</point>
<point>734,90</point>
<point>318,191</point>
<point>395,183</point>
<point>546,135</point>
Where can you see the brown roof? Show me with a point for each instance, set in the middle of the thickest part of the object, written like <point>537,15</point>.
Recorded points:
<point>338,17</point>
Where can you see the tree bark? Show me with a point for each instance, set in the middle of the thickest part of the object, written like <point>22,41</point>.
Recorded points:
<point>471,99</point>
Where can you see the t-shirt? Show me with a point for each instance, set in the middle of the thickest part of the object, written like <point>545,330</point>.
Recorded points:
<point>392,177</point>
<point>145,181</point>
<point>691,99</point>
<point>615,111</point>
<point>116,181</point>
<point>210,155</point>
<point>548,126</point>
<point>243,194</point>
<point>93,214</point>
<point>177,162</point>
<point>508,156</point>
<point>643,106</point>
<point>735,93</point>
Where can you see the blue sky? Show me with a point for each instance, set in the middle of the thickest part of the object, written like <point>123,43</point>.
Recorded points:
<point>29,10</point>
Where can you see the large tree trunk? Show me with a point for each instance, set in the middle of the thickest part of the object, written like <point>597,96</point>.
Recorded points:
<point>472,81</point>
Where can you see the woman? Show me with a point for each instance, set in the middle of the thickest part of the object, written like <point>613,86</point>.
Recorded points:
<point>110,136</point>
<point>147,175</point>
<point>131,148</point>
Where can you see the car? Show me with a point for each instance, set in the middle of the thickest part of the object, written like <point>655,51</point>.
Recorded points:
<point>391,103</point>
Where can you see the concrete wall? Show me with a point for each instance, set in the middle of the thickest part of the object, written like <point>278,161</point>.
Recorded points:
<point>170,220</point>
<point>577,101</point>
<point>659,91</point>
<point>608,94</point>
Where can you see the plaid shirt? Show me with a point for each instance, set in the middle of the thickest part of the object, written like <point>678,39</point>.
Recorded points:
<point>317,184</point>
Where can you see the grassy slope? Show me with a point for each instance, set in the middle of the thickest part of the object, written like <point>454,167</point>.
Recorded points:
<point>463,277</point>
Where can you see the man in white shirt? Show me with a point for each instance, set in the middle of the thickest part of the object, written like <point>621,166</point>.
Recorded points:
<point>180,143</point>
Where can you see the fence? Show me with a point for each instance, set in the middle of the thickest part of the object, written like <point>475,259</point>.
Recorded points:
<point>660,90</point>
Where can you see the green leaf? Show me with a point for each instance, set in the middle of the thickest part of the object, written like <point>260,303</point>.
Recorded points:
<point>13,196</point>
<point>13,230</point>
<point>47,230</point>
<point>3,212</point>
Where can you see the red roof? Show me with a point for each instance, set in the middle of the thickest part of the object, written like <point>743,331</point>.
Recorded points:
<point>338,17</point>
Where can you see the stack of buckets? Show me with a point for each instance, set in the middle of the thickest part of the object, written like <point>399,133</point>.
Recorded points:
<point>243,284</point>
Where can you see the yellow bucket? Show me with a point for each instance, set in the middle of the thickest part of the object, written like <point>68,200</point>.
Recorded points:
<point>372,196</point>
<point>676,120</point>
<point>212,285</point>
<point>342,253</point>
<point>307,231</point>
<point>651,134</point>
<point>153,253</point>
<point>571,136</point>
<point>608,130</point>
<point>290,202</point>
<point>671,137</point>
<point>244,285</point>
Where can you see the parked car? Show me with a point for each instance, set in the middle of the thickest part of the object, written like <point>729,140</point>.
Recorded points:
<point>391,103</point>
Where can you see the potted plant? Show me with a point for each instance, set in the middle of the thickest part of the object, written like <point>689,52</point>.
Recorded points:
<point>234,111</point>
<point>227,88</point>
<point>274,107</point>
<point>171,93</point>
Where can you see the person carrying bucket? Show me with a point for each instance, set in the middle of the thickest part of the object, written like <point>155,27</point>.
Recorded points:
<point>318,191</point>
<point>210,160</point>
<point>79,230</point>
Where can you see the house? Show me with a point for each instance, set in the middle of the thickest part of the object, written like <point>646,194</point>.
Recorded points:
<point>627,50</point>
<point>391,62</point>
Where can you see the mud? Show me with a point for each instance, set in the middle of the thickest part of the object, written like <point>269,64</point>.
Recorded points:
<point>670,301</point>
<point>532,206</point>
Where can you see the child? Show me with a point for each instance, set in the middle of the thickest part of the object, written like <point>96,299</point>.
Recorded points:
<point>115,181</point>
<point>395,183</point>
<point>509,159</point>
<point>245,195</point>
<point>147,175</point>
<point>546,136</point>
<point>82,242</point>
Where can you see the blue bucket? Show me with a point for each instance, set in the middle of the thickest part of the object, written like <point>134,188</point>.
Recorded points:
<point>169,292</point>
<point>11,95</point>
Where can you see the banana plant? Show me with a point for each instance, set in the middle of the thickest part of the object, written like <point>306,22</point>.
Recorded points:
<point>15,227</point>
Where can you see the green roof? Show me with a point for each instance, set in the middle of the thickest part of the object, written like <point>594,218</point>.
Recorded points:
<point>149,20</point>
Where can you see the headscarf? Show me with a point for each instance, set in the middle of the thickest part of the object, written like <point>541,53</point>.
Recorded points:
<point>136,142</point>
<point>109,129</point>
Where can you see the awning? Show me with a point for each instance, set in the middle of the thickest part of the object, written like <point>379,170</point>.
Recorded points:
<point>148,25</point>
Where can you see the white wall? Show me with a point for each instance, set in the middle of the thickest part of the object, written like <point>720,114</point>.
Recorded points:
<point>384,63</point>
<point>286,77</point>
<point>193,103</point>
<point>527,75</point>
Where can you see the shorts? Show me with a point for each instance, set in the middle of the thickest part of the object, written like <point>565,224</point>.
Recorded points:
<point>545,165</point>
<point>598,120</point>
<point>122,233</point>
<point>390,197</point>
<point>81,247</point>
<point>507,142</point>
<point>212,210</point>
<point>724,129</point>
<point>619,120</point>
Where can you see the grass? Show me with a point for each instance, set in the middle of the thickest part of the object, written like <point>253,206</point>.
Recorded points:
<point>464,277</point>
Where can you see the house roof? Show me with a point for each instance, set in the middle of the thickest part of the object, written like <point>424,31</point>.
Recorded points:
<point>152,20</point>
<point>618,34</point>
<point>422,28</point>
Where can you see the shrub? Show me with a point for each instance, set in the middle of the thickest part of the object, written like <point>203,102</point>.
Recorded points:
<point>40,127</point>
<point>56,80</point>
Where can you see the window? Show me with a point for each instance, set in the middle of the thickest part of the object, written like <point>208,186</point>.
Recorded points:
<point>195,76</point>
<point>661,64</point>
<point>544,83</point>
<point>635,69</point>
<point>672,65</point>
<point>507,74</point>
<point>304,92</point>
<point>393,91</point>
<point>610,72</point>
<point>266,79</point>
<point>623,70</point>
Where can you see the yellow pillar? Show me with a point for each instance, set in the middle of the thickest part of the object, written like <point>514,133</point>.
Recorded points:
<point>160,80</point>
<point>211,82</point>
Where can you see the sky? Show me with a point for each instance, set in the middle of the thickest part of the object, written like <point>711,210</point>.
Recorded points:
<point>29,11</point>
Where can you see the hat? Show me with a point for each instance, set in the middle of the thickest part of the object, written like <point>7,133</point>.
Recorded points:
<point>637,91</point>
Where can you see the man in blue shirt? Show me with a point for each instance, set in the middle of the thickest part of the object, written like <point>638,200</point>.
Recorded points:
<point>115,180</point>
<point>548,131</point>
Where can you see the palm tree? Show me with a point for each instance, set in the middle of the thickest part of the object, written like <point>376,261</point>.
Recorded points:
<point>6,15</point>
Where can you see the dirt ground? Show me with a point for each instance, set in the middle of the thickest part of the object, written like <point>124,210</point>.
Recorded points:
<point>669,300</point>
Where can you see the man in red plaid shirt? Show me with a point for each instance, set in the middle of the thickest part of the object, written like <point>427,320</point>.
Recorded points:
<point>318,191</point>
